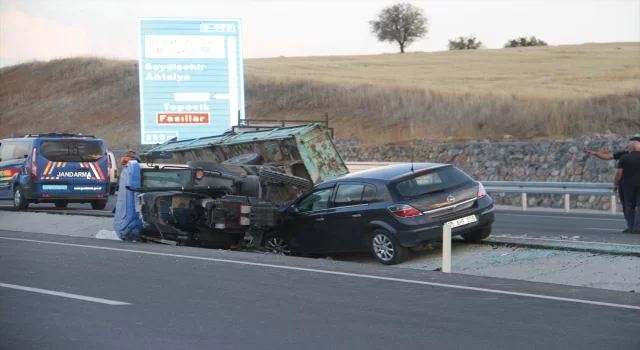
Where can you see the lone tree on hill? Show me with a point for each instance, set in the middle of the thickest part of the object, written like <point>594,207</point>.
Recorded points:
<point>524,42</point>
<point>401,23</point>
<point>465,43</point>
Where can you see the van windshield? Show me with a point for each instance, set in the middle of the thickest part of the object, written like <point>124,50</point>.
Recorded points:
<point>72,150</point>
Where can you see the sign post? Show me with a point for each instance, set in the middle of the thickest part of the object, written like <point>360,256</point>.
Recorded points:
<point>446,248</point>
<point>191,77</point>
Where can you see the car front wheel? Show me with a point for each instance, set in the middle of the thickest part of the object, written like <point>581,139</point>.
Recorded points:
<point>19,202</point>
<point>277,245</point>
<point>386,248</point>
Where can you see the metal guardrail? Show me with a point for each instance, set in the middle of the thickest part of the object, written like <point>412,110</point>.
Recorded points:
<point>525,187</point>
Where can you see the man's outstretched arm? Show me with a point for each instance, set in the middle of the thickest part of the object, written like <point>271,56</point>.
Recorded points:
<point>603,156</point>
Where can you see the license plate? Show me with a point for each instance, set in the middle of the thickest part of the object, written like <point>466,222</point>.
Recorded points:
<point>54,187</point>
<point>462,221</point>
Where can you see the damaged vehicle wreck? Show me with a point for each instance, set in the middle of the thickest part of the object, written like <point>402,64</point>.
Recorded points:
<point>231,203</point>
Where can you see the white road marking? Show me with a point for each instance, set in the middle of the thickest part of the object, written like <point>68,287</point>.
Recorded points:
<point>433,284</point>
<point>501,213</point>
<point>603,229</point>
<point>564,241</point>
<point>64,295</point>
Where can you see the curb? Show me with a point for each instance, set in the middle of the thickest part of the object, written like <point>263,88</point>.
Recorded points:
<point>576,246</point>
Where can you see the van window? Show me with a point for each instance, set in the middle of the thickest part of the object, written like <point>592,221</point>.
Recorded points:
<point>15,150</point>
<point>72,150</point>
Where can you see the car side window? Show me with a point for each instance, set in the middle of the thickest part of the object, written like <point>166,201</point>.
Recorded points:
<point>348,194</point>
<point>317,200</point>
<point>369,194</point>
<point>6,152</point>
<point>21,150</point>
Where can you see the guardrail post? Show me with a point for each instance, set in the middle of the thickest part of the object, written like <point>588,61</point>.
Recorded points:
<point>614,203</point>
<point>446,248</point>
<point>567,203</point>
<point>524,201</point>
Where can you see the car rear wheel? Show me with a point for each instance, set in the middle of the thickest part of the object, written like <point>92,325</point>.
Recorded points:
<point>477,234</point>
<point>19,202</point>
<point>98,205</point>
<point>386,248</point>
<point>61,204</point>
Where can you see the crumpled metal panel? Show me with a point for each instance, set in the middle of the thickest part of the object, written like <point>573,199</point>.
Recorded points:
<point>320,155</point>
<point>308,145</point>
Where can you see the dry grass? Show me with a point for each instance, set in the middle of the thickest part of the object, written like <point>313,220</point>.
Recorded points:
<point>528,93</point>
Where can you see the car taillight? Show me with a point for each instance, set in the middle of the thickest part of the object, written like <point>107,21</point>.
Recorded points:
<point>481,191</point>
<point>404,211</point>
<point>8,173</point>
<point>34,164</point>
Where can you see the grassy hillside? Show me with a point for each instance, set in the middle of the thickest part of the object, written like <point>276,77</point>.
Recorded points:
<point>528,93</point>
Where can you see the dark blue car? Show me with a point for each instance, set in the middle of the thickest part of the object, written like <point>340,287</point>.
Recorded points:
<point>54,168</point>
<point>386,211</point>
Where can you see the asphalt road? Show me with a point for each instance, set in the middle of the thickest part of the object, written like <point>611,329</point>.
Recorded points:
<point>601,228</point>
<point>159,297</point>
<point>72,208</point>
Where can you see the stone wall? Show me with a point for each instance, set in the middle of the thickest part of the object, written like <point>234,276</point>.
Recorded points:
<point>557,161</point>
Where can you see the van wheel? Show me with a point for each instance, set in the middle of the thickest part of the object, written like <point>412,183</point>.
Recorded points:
<point>61,204</point>
<point>98,205</point>
<point>386,248</point>
<point>19,202</point>
<point>477,234</point>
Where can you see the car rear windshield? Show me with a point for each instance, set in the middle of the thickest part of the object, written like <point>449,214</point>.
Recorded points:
<point>72,150</point>
<point>431,182</point>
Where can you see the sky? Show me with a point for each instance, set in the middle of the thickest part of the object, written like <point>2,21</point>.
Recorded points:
<point>48,29</point>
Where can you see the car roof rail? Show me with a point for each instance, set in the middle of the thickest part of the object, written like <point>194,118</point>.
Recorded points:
<point>56,134</point>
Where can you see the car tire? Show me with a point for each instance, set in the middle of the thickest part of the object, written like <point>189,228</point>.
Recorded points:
<point>19,202</point>
<point>250,186</point>
<point>277,244</point>
<point>386,249</point>
<point>478,234</point>
<point>99,205</point>
<point>61,204</point>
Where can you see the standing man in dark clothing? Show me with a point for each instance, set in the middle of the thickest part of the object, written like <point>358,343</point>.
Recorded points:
<point>616,156</point>
<point>629,173</point>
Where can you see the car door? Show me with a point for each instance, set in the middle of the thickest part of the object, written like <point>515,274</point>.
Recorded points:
<point>306,225</point>
<point>347,217</point>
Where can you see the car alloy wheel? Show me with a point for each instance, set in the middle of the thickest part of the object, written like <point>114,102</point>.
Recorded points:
<point>383,247</point>
<point>16,197</point>
<point>277,245</point>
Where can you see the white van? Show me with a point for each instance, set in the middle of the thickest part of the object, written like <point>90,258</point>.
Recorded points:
<point>113,173</point>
